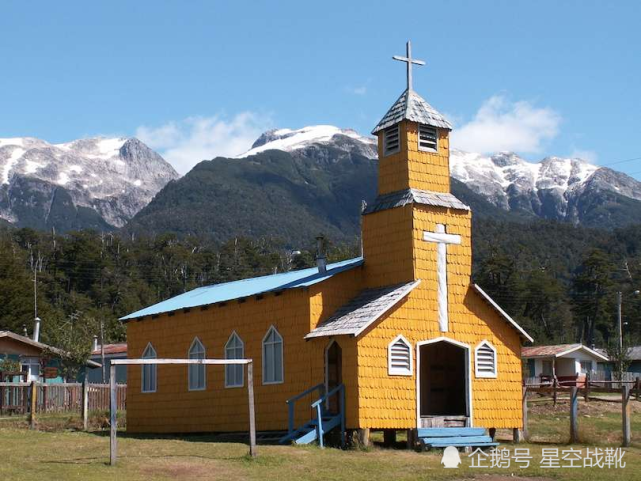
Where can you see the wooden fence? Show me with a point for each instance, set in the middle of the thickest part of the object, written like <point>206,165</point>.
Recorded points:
<point>628,391</point>
<point>15,398</point>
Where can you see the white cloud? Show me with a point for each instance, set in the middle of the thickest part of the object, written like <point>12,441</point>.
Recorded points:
<point>589,155</point>
<point>503,125</point>
<point>187,142</point>
<point>360,90</point>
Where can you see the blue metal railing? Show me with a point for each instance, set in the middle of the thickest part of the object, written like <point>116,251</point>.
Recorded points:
<point>318,405</point>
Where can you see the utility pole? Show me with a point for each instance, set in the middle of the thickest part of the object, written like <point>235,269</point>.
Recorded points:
<point>620,320</point>
<point>102,350</point>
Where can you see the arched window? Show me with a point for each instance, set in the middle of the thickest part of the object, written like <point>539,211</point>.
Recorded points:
<point>234,349</point>
<point>196,371</point>
<point>148,383</point>
<point>485,360</point>
<point>399,357</point>
<point>273,357</point>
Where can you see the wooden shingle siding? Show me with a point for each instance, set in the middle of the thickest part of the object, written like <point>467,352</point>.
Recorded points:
<point>173,408</point>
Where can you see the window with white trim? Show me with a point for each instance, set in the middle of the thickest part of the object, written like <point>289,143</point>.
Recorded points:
<point>148,381</point>
<point>234,349</point>
<point>391,140</point>
<point>273,357</point>
<point>196,372</point>
<point>427,138</point>
<point>485,360</point>
<point>399,357</point>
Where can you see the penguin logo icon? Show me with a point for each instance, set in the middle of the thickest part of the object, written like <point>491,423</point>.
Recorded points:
<point>451,458</point>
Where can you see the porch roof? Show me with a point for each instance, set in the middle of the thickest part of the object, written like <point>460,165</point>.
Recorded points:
<point>39,346</point>
<point>359,313</point>
<point>559,350</point>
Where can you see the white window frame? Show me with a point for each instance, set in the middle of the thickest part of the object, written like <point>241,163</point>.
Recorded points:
<point>237,367</point>
<point>487,375</point>
<point>152,369</point>
<point>418,138</point>
<point>397,149</point>
<point>396,371</point>
<point>282,352</point>
<point>196,343</point>
<point>582,362</point>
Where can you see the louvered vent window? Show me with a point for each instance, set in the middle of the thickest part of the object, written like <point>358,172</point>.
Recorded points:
<point>485,360</point>
<point>427,138</point>
<point>400,357</point>
<point>392,140</point>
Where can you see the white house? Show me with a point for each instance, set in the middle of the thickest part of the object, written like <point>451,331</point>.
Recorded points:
<point>568,363</point>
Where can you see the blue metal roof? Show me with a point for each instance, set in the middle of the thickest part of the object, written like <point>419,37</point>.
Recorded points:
<point>245,288</point>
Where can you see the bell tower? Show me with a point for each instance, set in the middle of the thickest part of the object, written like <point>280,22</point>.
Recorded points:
<point>416,229</point>
<point>413,142</point>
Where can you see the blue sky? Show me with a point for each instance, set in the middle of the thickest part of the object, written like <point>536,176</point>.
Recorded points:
<point>202,78</point>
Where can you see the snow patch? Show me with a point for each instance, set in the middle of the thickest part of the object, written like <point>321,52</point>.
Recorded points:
<point>11,161</point>
<point>75,168</point>
<point>18,141</point>
<point>31,167</point>
<point>137,182</point>
<point>63,178</point>
<point>288,139</point>
<point>110,147</point>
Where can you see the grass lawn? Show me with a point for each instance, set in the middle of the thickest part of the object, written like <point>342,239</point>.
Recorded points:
<point>62,452</point>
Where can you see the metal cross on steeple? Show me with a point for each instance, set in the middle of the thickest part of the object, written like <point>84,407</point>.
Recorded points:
<point>409,61</point>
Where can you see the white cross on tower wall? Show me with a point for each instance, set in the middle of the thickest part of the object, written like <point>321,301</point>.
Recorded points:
<point>442,240</point>
<point>409,60</point>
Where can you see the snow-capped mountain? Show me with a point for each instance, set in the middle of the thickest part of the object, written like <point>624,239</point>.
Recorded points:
<point>289,140</point>
<point>568,189</point>
<point>96,182</point>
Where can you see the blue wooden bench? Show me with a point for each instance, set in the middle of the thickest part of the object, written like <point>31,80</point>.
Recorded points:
<point>458,437</point>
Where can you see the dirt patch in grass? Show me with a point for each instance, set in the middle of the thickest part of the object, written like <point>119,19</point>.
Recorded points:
<point>179,470</point>
<point>494,477</point>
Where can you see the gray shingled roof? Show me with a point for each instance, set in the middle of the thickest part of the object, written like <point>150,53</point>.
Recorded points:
<point>415,196</point>
<point>359,313</point>
<point>411,106</point>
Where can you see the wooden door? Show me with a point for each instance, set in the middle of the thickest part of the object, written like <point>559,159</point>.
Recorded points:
<point>334,374</point>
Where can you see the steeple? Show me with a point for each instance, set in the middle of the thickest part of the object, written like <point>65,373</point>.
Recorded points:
<point>413,142</point>
<point>416,225</point>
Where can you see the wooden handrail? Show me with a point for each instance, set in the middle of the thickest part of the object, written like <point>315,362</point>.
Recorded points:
<point>328,395</point>
<point>291,403</point>
<point>318,405</point>
<point>306,392</point>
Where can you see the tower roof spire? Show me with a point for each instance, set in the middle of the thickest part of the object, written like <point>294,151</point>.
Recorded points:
<point>410,105</point>
<point>409,61</point>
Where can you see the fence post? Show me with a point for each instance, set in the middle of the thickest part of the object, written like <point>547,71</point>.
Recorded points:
<point>85,404</point>
<point>34,398</point>
<point>252,414</point>
<point>525,430</point>
<point>554,390</point>
<point>113,447</point>
<point>574,415</point>
<point>587,386</point>
<point>625,412</point>
<point>637,386</point>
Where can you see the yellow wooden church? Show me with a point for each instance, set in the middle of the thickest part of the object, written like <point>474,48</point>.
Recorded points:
<point>411,342</point>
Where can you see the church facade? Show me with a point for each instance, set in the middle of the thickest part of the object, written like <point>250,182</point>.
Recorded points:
<point>412,340</point>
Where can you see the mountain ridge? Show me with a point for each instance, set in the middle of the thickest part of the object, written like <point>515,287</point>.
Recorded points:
<point>86,183</point>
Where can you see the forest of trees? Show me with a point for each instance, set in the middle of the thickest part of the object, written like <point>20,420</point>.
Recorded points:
<point>558,281</point>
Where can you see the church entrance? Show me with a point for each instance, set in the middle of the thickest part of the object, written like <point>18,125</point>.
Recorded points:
<point>333,373</point>
<point>443,384</point>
